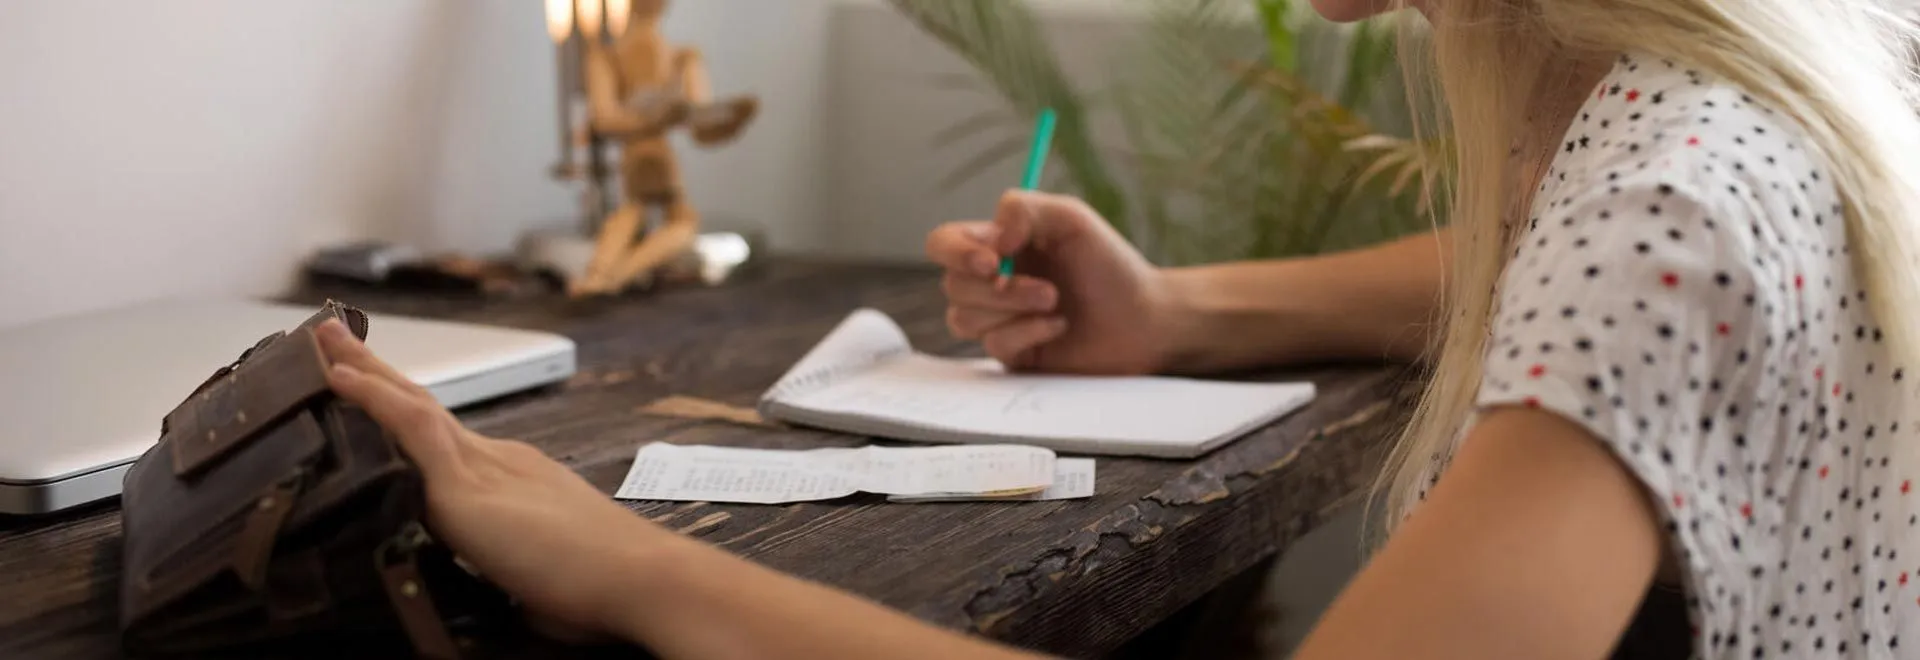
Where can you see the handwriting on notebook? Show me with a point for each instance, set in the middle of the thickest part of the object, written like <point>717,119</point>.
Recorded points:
<point>934,387</point>
<point>864,379</point>
<point>906,400</point>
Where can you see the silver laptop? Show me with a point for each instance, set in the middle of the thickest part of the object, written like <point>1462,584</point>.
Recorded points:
<point>82,396</point>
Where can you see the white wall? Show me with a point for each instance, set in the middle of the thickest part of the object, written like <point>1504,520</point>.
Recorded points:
<point>200,147</point>
<point>889,110</point>
<point>158,149</point>
<point>772,178</point>
<point>204,147</point>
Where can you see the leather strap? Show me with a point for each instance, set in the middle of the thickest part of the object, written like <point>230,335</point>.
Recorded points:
<point>253,550</point>
<point>399,563</point>
<point>284,375</point>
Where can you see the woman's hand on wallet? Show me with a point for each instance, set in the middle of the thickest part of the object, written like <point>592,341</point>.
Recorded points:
<point>586,568</point>
<point>524,521</point>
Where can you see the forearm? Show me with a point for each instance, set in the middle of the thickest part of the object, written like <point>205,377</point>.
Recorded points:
<point>1372,303</point>
<point>692,601</point>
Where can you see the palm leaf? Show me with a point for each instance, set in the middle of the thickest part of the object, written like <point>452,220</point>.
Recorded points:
<point>970,126</point>
<point>1004,150</point>
<point>1387,161</point>
<point>1247,132</point>
<point>959,81</point>
<point>1003,41</point>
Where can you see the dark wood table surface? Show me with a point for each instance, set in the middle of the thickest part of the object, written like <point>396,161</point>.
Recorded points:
<point>1078,578</point>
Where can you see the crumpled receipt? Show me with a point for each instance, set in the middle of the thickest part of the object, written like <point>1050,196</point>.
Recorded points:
<point>693,473</point>
<point>1072,480</point>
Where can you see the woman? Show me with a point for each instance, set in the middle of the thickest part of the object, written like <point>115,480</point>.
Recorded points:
<point>1680,286</point>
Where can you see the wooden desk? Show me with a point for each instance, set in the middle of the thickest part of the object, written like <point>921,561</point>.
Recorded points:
<point>1078,578</point>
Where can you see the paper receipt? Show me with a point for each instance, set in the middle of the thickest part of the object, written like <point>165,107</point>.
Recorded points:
<point>1072,479</point>
<point>770,476</point>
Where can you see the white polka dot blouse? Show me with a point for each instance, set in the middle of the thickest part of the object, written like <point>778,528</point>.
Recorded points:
<point>1683,291</point>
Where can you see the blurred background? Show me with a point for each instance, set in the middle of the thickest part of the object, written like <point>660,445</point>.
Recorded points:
<point>208,147</point>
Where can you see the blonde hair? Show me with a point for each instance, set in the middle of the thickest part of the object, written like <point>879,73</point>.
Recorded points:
<point>1840,68</point>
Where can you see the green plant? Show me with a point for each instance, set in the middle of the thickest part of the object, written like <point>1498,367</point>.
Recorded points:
<point>1248,130</point>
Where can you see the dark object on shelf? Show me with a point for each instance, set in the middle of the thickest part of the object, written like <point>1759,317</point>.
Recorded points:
<point>367,261</point>
<point>491,278</point>
<point>399,267</point>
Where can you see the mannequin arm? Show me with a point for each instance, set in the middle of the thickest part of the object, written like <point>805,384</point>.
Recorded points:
<point>691,68</point>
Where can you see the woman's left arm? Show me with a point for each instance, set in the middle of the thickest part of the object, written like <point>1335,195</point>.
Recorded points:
<point>585,567</point>
<point>1538,543</point>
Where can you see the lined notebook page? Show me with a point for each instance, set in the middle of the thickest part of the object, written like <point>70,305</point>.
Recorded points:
<point>978,397</point>
<point>864,338</point>
<point>863,378</point>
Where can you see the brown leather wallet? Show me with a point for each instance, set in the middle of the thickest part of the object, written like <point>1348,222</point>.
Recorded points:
<point>272,511</point>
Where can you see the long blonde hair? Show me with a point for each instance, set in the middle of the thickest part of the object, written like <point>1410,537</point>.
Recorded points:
<point>1841,68</point>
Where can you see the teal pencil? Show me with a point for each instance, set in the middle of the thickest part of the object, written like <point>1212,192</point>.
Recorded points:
<point>1036,166</point>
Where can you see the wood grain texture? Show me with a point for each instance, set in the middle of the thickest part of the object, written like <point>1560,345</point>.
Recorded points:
<point>1077,578</point>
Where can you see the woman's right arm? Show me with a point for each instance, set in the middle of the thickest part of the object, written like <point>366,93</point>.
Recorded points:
<point>1372,303</point>
<point>1085,301</point>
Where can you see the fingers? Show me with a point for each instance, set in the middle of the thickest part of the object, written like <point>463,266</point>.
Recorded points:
<point>341,346</point>
<point>1021,294</point>
<point>972,323</point>
<point>1023,219</point>
<point>1013,342</point>
<point>965,247</point>
<point>980,300</point>
<point>1010,316</point>
<point>978,305</point>
<point>423,428</point>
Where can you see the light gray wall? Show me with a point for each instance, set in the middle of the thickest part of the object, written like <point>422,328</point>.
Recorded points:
<point>156,149</point>
<point>773,176</point>
<point>890,108</point>
<point>203,147</point>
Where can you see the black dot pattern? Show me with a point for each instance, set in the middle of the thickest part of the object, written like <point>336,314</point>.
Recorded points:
<point>1721,347</point>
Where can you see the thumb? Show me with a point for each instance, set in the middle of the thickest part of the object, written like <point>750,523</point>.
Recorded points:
<point>1035,220</point>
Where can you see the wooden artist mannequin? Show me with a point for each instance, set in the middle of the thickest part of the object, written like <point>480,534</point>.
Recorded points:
<point>638,92</point>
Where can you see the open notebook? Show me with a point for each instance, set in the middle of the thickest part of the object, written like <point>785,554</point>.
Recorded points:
<point>865,378</point>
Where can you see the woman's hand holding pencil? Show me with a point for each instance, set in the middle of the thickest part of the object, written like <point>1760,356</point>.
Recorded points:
<point>1048,285</point>
<point>1083,301</point>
